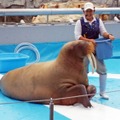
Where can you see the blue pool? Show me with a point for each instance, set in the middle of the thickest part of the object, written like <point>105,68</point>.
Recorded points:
<point>50,50</point>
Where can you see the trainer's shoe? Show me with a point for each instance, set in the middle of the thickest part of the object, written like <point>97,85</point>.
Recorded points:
<point>104,96</point>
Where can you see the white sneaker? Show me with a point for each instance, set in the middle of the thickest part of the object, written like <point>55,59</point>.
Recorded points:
<point>104,96</point>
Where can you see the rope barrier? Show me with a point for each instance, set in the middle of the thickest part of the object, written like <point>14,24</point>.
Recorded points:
<point>54,99</point>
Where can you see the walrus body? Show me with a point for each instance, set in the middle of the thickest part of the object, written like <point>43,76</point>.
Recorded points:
<point>60,78</point>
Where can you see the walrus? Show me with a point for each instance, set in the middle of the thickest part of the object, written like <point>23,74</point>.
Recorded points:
<point>63,77</point>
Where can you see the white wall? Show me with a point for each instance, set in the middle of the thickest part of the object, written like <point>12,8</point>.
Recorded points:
<point>12,34</point>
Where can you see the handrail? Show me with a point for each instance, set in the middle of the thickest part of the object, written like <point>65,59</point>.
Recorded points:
<point>101,40</point>
<point>54,11</point>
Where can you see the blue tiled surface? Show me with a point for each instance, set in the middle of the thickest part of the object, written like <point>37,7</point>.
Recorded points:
<point>25,111</point>
<point>113,89</point>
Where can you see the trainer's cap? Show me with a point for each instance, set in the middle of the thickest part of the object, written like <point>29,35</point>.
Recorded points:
<point>88,5</point>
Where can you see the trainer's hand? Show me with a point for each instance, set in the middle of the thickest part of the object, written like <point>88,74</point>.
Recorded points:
<point>93,41</point>
<point>111,37</point>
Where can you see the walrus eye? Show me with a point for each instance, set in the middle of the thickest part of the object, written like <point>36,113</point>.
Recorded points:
<point>92,62</point>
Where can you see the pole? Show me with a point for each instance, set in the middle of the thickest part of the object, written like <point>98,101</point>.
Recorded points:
<point>51,109</point>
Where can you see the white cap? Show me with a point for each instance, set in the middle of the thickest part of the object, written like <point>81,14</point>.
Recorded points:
<point>89,5</point>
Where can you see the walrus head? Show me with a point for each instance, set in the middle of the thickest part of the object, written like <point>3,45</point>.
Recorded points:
<point>78,49</point>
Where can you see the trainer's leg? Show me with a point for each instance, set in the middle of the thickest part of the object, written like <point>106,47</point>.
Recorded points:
<point>101,70</point>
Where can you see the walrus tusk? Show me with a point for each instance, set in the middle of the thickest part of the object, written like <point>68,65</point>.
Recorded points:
<point>92,62</point>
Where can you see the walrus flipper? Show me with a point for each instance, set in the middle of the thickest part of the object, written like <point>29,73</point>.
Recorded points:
<point>74,91</point>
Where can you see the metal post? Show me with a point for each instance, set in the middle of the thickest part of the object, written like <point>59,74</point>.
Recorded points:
<point>5,19</point>
<point>47,19</point>
<point>51,109</point>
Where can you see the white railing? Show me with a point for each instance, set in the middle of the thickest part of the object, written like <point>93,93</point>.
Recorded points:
<point>30,12</point>
<point>53,11</point>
